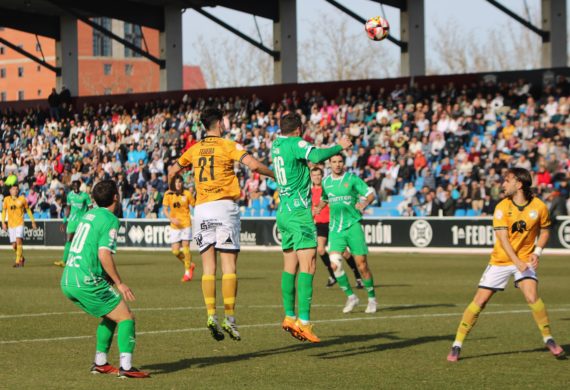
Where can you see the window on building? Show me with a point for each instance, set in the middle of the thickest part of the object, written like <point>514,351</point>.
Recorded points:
<point>2,50</point>
<point>2,73</point>
<point>107,69</point>
<point>20,71</point>
<point>129,69</point>
<point>38,47</point>
<point>39,92</point>
<point>39,68</point>
<point>102,46</point>
<point>3,96</point>
<point>129,90</point>
<point>20,95</point>
<point>133,34</point>
<point>107,91</point>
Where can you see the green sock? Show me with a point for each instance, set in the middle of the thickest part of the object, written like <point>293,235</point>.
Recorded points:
<point>344,284</point>
<point>66,251</point>
<point>305,295</point>
<point>105,332</point>
<point>369,285</point>
<point>126,336</point>
<point>288,293</point>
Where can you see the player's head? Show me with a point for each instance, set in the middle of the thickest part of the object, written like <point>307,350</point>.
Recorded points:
<point>337,164</point>
<point>518,179</point>
<point>212,119</point>
<point>317,176</point>
<point>177,184</point>
<point>106,194</point>
<point>291,124</point>
<point>14,190</point>
<point>75,186</point>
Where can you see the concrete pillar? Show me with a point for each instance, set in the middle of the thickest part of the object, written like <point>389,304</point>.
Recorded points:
<point>66,55</point>
<point>412,30</point>
<point>171,49</point>
<point>554,19</point>
<point>285,42</point>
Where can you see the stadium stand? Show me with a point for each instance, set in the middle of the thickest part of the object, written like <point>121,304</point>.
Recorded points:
<point>426,150</point>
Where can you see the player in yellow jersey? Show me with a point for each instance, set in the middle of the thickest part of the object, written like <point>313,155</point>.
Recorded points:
<point>519,220</point>
<point>216,215</point>
<point>176,206</point>
<point>13,208</point>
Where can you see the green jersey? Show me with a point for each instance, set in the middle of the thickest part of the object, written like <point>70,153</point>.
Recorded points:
<point>342,194</point>
<point>290,155</point>
<point>97,229</point>
<point>78,205</point>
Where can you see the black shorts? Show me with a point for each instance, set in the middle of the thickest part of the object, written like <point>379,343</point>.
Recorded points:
<point>323,230</point>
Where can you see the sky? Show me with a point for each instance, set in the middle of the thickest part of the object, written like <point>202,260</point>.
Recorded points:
<point>477,16</point>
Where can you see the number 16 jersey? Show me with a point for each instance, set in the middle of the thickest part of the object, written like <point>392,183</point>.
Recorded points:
<point>214,176</point>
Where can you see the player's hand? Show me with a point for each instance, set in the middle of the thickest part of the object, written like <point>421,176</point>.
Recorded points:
<point>360,206</point>
<point>4,226</point>
<point>522,266</point>
<point>345,142</point>
<point>534,261</point>
<point>34,226</point>
<point>126,292</point>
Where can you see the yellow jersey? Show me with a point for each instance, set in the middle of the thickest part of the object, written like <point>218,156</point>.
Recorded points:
<point>14,208</point>
<point>179,207</point>
<point>523,224</point>
<point>213,160</point>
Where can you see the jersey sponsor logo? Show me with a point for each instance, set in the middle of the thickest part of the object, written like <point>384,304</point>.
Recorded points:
<point>206,151</point>
<point>498,214</point>
<point>518,227</point>
<point>564,234</point>
<point>302,144</point>
<point>533,214</point>
<point>421,233</point>
<point>89,217</point>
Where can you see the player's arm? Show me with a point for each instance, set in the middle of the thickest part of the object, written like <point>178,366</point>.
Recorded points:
<point>30,214</point>
<point>4,216</point>
<point>257,166</point>
<point>182,163</point>
<point>363,190</point>
<point>108,264</point>
<point>318,155</point>
<point>322,203</point>
<point>503,237</point>
<point>66,212</point>
<point>543,237</point>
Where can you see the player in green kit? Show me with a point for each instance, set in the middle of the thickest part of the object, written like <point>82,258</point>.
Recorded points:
<point>78,202</point>
<point>291,155</point>
<point>347,196</point>
<point>89,275</point>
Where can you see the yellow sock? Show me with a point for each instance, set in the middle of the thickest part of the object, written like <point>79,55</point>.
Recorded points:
<point>179,255</point>
<point>187,257</point>
<point>467,322</point>
<point>19,253</point>
<point>209,292</point>
<point>541,318</point>
<point>229,292</point>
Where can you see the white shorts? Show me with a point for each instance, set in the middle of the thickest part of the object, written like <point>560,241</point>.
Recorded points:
<point>496,277</point>
<point>17,232</point>
<point>177,235</point>
<point>217,223</point>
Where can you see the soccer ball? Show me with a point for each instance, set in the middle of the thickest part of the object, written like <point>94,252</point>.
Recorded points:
<point>377,28</point>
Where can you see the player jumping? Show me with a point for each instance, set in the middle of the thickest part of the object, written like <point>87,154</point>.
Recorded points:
<point>13,207</point>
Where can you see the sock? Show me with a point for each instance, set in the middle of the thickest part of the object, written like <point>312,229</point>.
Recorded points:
<point>467,322</point>
<point>305,296</point>
<point>105,332</point>
<point>209,292</point>
<point>369,286</point>
<point>327,261</point>
<point>344,284</point>
<point>66,251</point>
<point>179,255</point>
<point>187,257</point>
<point>288,293</point>
<point>127,341</point>
<point>352,264</point>
<point>19,252</point>
<point>229,292</point>
<point>541,318</point>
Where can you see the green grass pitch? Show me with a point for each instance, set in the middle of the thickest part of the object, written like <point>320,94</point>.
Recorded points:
<point>45,342</point>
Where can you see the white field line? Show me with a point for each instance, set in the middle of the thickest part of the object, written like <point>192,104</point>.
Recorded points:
<point>274,324</point>
<point>181,308</point>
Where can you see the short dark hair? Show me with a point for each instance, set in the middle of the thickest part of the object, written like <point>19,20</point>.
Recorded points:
<point>290,122</point>
<point>319,169</point>
<point>210,115</point>
<point>341,156</point>
<point>104,192</point>
<point>525,178</point>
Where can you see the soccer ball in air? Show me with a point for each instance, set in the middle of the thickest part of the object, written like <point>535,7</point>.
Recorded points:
<point>377,28</point>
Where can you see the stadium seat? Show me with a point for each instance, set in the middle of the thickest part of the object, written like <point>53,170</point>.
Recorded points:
<point>471,213</point>
<point>460,213</point>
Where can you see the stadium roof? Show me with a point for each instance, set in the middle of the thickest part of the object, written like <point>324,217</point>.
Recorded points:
<point>41,16</point>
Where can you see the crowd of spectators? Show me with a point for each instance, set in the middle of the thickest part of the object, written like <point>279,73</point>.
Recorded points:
<point>425,150</point>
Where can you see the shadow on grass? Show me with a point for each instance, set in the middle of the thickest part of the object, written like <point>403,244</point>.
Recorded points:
<point>541,349</point>
<point>391,285</point>
<point>395,343</point>
<point>412,307</point>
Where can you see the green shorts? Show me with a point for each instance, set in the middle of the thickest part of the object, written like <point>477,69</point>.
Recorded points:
<point>96,301</point>
<point>352,238</point>
<point>71,226</point>
<point>297,229</point>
